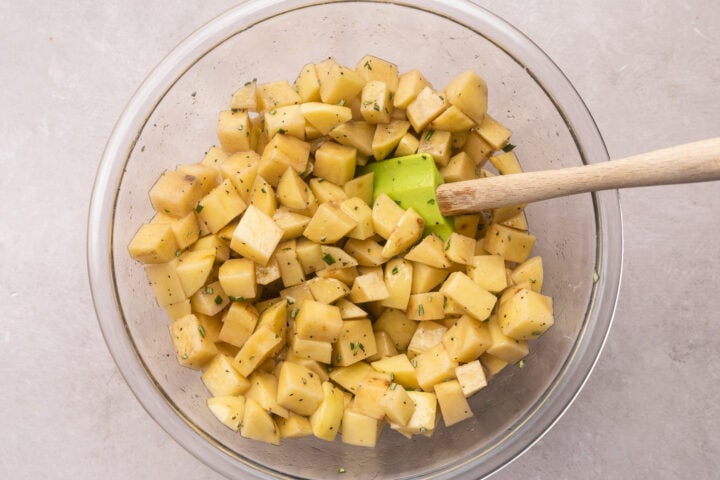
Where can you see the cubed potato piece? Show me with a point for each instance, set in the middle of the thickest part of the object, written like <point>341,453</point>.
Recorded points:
<point>368,288</point>
<point>263,343</point>
<point>291,271</point>
<point>398,275</point>
<point>424,418</point>
<point>318,321</point>
<point>513,245</point>
<point>459,248</point>
<point>165,283</point>
<point>233,131</point>
<point>410,84</point>
<point>338,260</point>
<point>507,349</point>
<point>369,393</point>
<point>349,310</point>
<point>475,300</point>
<point>468,92</point>
<point>317,350</point>
<point>350,377</point>
<point>209,300</point>
<point>531,270</point>
<point>426,278</point>
<point>408,145</point>
<point>359,430</point>
<point>229,409</point>
<point>406,233</point>
<point>471,377</point>
<point>241,168</point>
<point>453,404</point>
<point>335,162</point>
<point>400,369</point>
<point>275,318</point>
<point>214,157</point>
<point>492,364</point>
<point>310,255</point>
<point>460,167</point>
<point>175,193</point>
<point>426,306</point>
<point>340,84</point>
<point>299,389</point>
<point>426,106</point>
<point>528,314</point>
<point>245,97</point>
<point>264,390</point>
<point>385,346</point>
<point>324,117</point>
<point>434,366</point>
<point>281,152</point>
<point>325,421</point>
<point>292,191</point>
<point>467,225</point>
<point>387,137</point>
<point>356,134</point>
<point>488,271</point>
<point>397,404</point>
<point>373,68</point>
<point>477,148</point>
<point>355,342</point>
<point>193,268</point>
<point>386,214</point>
<point>291,223</point>
<point>267,274</point>
<point>430,251</point>
<point>361,213</point>
<point>178,310</point>
<point>186,229</point>
<point>368,253</point>
<point>517,221</point>
<point>506,163</point>
<point>325,191</point>
<point>360,187</point>
<point>452,120</point>
<point>502,214</point>
<point>219,207</point>
<point>154,243</point>
<point>256,236</point>
<point>375,102</point>
<point>329,224</point>
<point>437,143</point>
<point>273,95</point>
<point>258,424</point>
<point>192,349</point>
<point>307,84</point>
<point>295,426</point>
<point>426,336</point>
<point>395,323</point>
<point>287,120</point>
<point>262,196</point>
<point>238,324</point>
<point>494,132</point>
<point>467,339</point>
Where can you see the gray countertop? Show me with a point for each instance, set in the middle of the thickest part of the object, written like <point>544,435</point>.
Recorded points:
<point>649,72</point>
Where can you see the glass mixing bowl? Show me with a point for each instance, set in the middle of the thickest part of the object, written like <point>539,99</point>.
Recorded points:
<point>171,120</point>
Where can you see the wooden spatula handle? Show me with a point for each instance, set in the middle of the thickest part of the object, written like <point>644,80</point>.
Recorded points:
<point>692,162</point>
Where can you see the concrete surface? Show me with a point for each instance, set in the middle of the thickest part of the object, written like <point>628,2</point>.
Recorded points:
<point>649,71</point>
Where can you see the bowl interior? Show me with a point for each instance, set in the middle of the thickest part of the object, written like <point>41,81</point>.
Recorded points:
<point>172,121</point>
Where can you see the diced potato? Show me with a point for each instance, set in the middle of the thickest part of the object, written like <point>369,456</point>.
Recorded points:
<point>165,283</point>
<point>358,429</point>
<point>385,346</point>
<point>368,252</point>
<point>356,134</point>
<point>291,270</point>
<point>258,424</point>
<point>214,157</point>
<point>263,343</point>
<point>434,366</point>
<point>329,224</point>
<point>410,84</point>
<point>368,288</point>
<point>471,377</point>
<point>192,349</point>
<point>424,418</point>
<point>175,193</point>
<point>276,94</point>
<point>375,102</point>
<point>373,68</point>
<point>267,274</point>
<point>398,276</point>
<point>326,191</point>
<point>397,404</point>
<point>262,196</point>
<point>507,349</point>
<point>426,336</point>
<point>459,168</point>
<point>327,290</point>
<point>349,310</point>
<point>531,271</point>
<point>387,137</point>
<point>245,97</point>
<point>369,393</point>
<point>430,251</point>
<point>237,278</point>
<point>467,339</point>
<point>337,259</point>
<point>407,145</point>
<point>437,143</point>
<point>238,324</point>
<point>241,168</point>
<point>340,84</point>
<point>295,426</point>
<point>263,389</point>
<point>385,215</point>
<point>233,131</point>
<point>178,310</point>
<point>256,236</point>
<point>477,148</point>
<point>307,84</point>
<point>356,342</point>
<point>186,229</point>
<point>317,321</point>
<point>426,306</point>
<point>400,370</point>
<point>426,278</point>
<point>349,377</point>
<point>335,162</point>
<point>229,409</point>
<point>528,314</point>
<point>475,300</point>
<point>287,120</point>
<point>396,324</point>
<point>299,389</point>
<point>453,404</point>
<point>360,187</point>
<point>513,245</point>
<point>517,221</point>
<point>317,350</point>
<point>488,271</point>
<point>361,213</point>
<point>310,255</point>
<point>281,152</point>
<point>154,243</point>
<point>325,421</point>
<point>193,268</point>
<point>452,120</point>
<point>408,230</point>
<point>502,214</point>
<point>494,132</point>
<point>459,248</point>
<point>468,92</point>
<point>426,106</point>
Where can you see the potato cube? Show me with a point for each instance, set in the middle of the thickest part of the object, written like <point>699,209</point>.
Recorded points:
<point>426,336</point>
<point>513,245</point>
<point>349,310</point>
<point>325,421</point>
<point>299,390</point>
<point>385,215</point>
<point>488,271</point>
<point>336,258</point>
<point>503,347</point>
<point>468,92</point>
<point>220,206</point>
<point>267,274</point>
<point>256,236</point>
<point>287,120</point>
<point>175,193</point>
<point>387,137</point>
<point>467,339</point>
<point>307,84</point>
<point>209,300</point>
<point>369,393</point>
<point>385,346</point>
<point>426,278</point>
<point>492,364</point>
<point>459,248</point>
<point>258,424</point>
<point>424,418</point>
<point>526,315</point>
<point>430,251</point>
<point>264,390</point>
<point>475,300</point>
<point>361,213</point>
<point>335,162</point>
<point>356,342</point>
<point>178,310</point>
<point>241,168</point>
<point>275,94</point>
<point>186,229</point>
<point>426,306</point>
<point>291,270</point>
<point>263,343</point>
<point>358,429</point>
<point>494,132</point>
<point>477,148</point>
<point>317,350</point>
<point>408,145</point>
<point>471,377</point>
<point>317,321</point>
<point>165,283</point>
<point>397,404</point>
<point>410,84</point>
<point>360,187</point>
<point>373,68</point>
<point>237,278</point>
<point>426,106</point>
<point>406,233</point>
<point>329,224</point>
<point>453,404</point>
<point>326,191</point>
<point>356,134</point>
<point>398,276</point>
<point>238,324</point>
<point>375,102</point>
<point>368,288</point>
<point>192,349</point>
<point>340,84</point>
<point>437,143</point>
<point>400,370</point>
<point>153,243</point>
<point>350,377</point>
<point>434,366</point>
<point>460,167</point>
<point>530,271</point>
<point>395,323</point>
<point>291,223</point>
<point>245,97</point>
<point>452,120</point>
<point>229,409</point>
<point>295,426</point>
<point>193,268</point>
<point>281,152</point>
<point>233,131</point>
